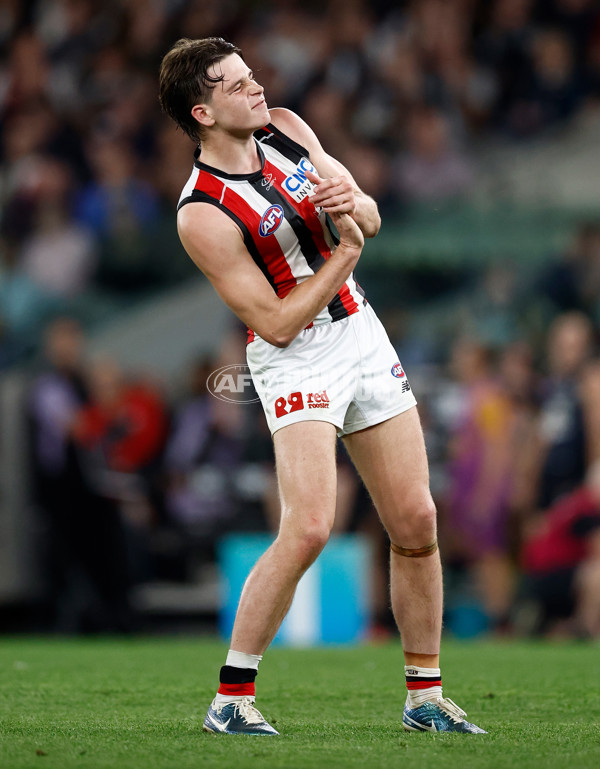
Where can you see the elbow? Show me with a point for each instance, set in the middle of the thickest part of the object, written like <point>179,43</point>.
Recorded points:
<point>373,227</point>
<point>280,340</point>
<point>280,328</point>
<point>277,337</point>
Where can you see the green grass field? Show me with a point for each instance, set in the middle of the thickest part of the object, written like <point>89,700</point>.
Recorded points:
<point>139,704</point>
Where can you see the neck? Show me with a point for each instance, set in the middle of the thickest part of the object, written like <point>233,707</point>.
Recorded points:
<point>232,154</point>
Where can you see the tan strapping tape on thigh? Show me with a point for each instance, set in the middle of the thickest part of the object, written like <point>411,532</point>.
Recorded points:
<point>415,552</point>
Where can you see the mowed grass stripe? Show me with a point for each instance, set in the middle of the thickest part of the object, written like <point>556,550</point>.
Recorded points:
<point>139,704</point>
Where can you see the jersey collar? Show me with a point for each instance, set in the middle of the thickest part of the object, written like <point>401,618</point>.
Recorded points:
<point>233,177</point>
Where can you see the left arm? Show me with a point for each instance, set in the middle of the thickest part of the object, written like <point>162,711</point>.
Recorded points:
<point>337,191</point>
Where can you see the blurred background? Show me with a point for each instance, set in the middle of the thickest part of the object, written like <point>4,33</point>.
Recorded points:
<point>475,125</point>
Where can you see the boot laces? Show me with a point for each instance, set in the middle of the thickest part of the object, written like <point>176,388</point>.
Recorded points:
<point>249,712</point>
<point>451,709</point>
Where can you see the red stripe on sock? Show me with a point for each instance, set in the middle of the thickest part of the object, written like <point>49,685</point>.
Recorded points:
<point>238,690</point>
<point>422,684</point>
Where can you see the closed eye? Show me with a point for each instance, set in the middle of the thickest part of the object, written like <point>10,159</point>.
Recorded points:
<point>238,86</point>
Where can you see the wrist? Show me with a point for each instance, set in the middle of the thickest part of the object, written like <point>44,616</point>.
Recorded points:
<point>350,249</point>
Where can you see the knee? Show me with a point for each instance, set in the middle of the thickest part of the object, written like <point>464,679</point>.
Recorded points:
<point>305,544</point>
<point>415,524</point>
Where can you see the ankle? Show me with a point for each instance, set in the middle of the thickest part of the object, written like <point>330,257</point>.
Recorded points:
<point>236,679</point>
<point>424,684</point>
<point>416,659</point>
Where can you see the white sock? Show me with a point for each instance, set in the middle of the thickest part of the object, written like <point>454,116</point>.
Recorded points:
<point>238,660</point>
<point>419,675</point>
<point>243,660</point>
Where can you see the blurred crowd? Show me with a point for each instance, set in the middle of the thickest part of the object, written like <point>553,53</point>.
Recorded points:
<point>126,477</point>
<point>401,92</point>
<point>506,369</point>
<point>129,486</point>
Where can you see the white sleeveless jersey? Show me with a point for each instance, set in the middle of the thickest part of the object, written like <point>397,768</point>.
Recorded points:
<point>287,238</point>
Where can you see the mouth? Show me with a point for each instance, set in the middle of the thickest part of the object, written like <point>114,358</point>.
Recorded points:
<point>260,104</point>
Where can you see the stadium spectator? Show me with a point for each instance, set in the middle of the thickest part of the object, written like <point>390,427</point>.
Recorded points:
<point>572,282</point>
<point>551,91</point>
<point>563,441</point>
<point>204,451</point>
<point>503,46</point>
<point>492,309</point>
<point>56,397</point>
<point>124,424</point>
<point>24,305</point>
<point>574,17</point>
<point>561,560</point>
<point>120,208</point>
<point>431,170</point>
<point>59,255</point>
<point>120,435</point>
<point>519,379</point>
<point>481,470</point>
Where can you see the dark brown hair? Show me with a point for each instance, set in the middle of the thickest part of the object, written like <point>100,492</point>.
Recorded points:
<point>184,80</point>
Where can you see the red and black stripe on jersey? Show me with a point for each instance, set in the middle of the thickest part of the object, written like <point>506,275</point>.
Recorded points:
<point>311,238</point>
<point>244,198</point>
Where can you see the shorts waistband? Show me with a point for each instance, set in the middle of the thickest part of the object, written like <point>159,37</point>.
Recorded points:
<point>335,320</point>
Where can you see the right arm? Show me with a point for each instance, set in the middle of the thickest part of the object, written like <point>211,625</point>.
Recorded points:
<point>216,246</point>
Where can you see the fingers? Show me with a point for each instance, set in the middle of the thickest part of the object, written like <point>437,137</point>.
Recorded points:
<point>348,230</point>
<point>328,188</point>
<point>338,204</point>
<point>342,223</point>
<point>312,177</point>
<point>333,195</point>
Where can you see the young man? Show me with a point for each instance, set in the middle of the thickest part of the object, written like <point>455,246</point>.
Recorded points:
<point>253,217</point>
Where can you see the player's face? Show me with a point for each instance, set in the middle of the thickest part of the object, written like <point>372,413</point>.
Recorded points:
<point>237,103</point>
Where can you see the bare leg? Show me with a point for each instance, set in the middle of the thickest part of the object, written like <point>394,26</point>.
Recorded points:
<point>587,586</point>
<point>392,462</point>
<point>494,575</point>
<point>305,457</point>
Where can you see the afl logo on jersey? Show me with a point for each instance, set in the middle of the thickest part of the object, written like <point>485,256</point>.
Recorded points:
<point>397,370</point>
<point>271,220</point>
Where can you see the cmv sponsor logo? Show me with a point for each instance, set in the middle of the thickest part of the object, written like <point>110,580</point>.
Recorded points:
<point>297,185</point>
<point>271,220</point>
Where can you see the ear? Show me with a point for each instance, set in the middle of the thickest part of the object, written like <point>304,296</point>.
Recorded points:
<point>203,114</point>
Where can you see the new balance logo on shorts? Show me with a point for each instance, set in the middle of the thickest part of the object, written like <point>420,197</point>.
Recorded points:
<point>295,402</point>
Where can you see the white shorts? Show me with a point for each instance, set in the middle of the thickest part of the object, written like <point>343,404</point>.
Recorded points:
<point>346,373</point>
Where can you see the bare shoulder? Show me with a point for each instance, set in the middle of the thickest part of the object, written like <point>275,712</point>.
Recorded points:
<point>207,233</point>
<point>293,126</point>
<point>197,219</point>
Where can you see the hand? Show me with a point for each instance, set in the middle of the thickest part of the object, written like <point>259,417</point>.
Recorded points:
<point>348,230</point>
<point>334,195</point>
